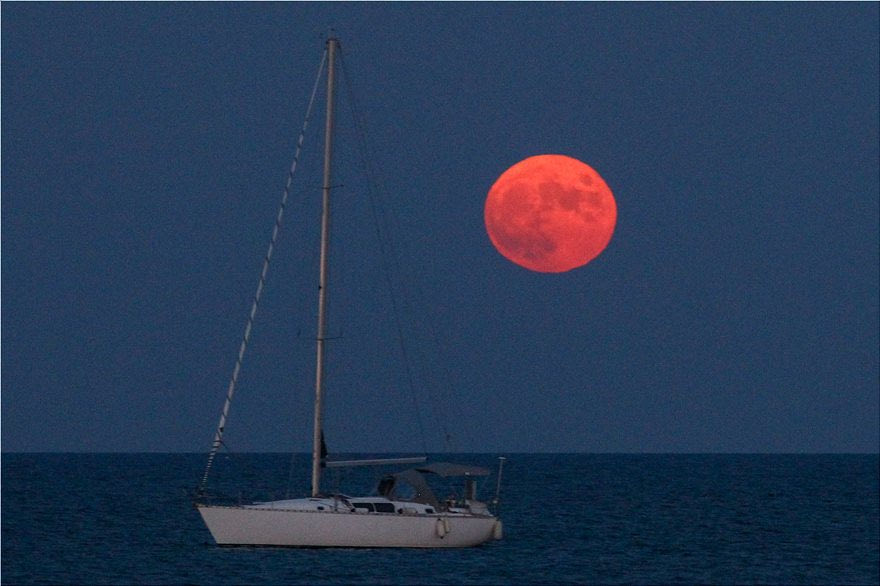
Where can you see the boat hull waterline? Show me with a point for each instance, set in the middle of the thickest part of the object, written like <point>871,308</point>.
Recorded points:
<point>247,526</point>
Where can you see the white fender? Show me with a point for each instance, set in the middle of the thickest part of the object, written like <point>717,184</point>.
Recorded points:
<point>442,527</point>
<point>498,530</point>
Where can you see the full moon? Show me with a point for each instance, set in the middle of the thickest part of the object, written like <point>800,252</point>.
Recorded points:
<point>550,213</point>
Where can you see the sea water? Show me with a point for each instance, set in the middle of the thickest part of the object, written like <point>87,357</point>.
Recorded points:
<point>568,518</point>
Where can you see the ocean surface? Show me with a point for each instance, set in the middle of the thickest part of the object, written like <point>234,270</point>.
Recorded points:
<point>568,519</point>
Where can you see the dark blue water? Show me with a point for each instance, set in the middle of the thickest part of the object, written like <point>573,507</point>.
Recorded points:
<point>127,518</point>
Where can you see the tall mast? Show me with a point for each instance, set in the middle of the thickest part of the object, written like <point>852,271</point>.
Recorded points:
<point>332,43</point>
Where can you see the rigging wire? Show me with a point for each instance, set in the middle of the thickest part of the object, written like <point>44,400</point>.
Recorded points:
<point>380,219</point>
<point>233,381</point>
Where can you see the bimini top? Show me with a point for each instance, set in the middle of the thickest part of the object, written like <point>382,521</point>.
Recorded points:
<point>415,478</point>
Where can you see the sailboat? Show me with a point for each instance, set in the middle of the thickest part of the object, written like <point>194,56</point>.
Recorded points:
<point>404,511</point>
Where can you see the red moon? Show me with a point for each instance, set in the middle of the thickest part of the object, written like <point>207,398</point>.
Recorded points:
<point>550,213</point>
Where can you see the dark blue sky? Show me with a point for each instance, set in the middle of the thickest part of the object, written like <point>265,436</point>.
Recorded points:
<point>144,151</point>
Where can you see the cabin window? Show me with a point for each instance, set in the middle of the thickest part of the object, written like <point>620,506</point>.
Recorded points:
<point>430,511</point>
<point>384,507</point>
<point>364,506</point>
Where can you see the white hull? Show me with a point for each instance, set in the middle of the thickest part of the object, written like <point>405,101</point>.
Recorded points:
<point>290,528</point>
